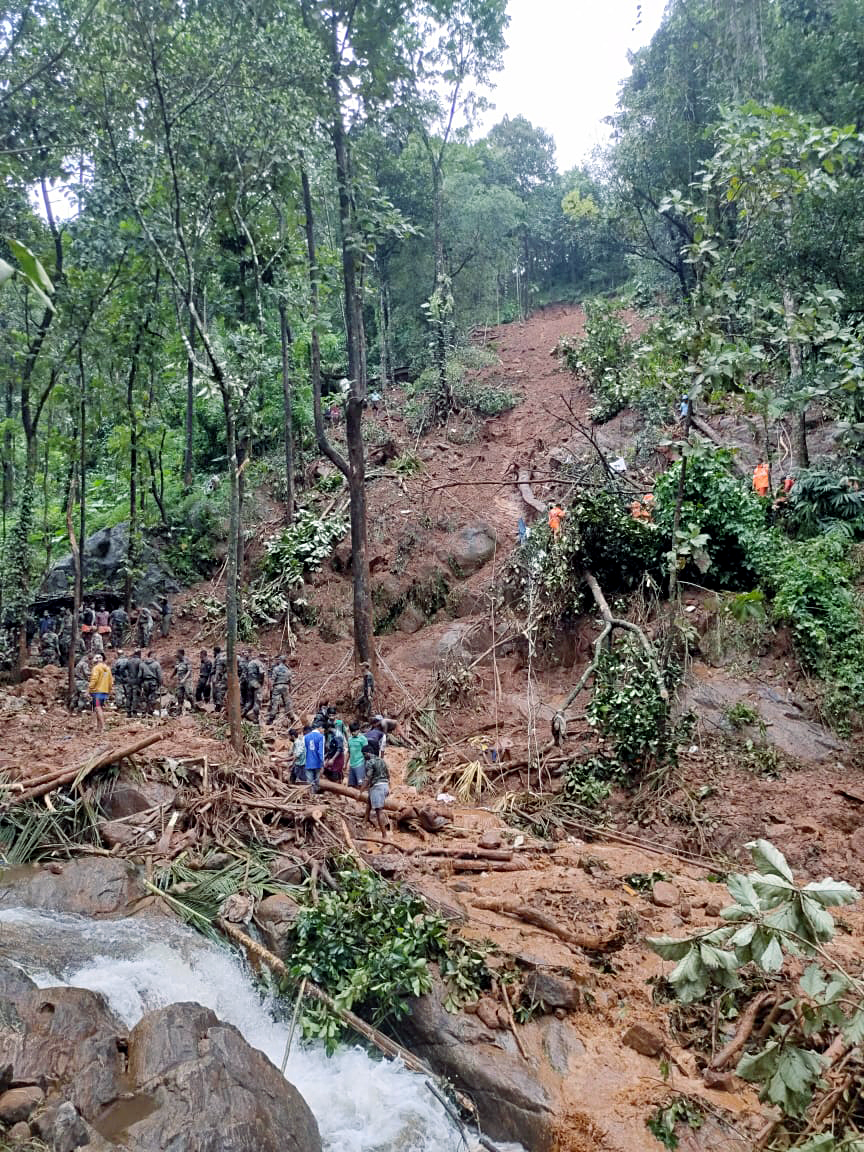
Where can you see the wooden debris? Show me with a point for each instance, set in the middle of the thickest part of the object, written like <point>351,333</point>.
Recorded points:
<point>41,786</point>
<point>589,941</point>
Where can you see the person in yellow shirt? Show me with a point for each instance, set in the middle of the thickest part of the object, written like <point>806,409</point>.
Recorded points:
<point>100,687</point>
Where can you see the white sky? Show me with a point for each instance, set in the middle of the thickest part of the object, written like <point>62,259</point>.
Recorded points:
<point>564,62</point>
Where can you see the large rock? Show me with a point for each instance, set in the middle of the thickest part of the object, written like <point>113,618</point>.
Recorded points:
<point>94,886</point>
<point>104,556</point>
<point>181,1080</point>
<point>511,1101</point>
<point>467,550</point>
<point>214,1093</point>
<point>129,798</point>
<point>275,916</point>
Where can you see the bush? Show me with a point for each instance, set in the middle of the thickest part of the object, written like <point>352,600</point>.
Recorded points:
<point>483,397</point>
<point>603,357</point>
<point>303,547</point>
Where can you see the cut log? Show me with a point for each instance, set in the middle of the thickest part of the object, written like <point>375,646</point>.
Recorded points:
<point>82,771</point>
<point>484,865</point>
<point>470,853</point>
<point>527,492</point>
<point>589,941</point>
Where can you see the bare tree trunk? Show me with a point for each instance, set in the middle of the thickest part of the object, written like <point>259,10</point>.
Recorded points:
<point>364,648</point>
<point>287,413</point>
<point>82,496</point>
<point>132,547</point>
<point>188,462</point>
<point>801,451</point>
<point>679,500</point>
<point>72,658</point>
<point>232,698</point>
<point>8,449</point>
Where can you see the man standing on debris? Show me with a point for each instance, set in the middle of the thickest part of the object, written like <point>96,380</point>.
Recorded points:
<point>556,515</point>
<point>82,683</point>
<point>314,743</point>
<point>377,784</point>
<point>103,626</point>
<point>220,677</point>
<point>356,760</point>
<point>298,768</point>
<point>256,675</point>
<point>280,684</point>
<point>88,623</point>
<point>151,682</point>
<point>66,636</point>
<point>145,627</point>
<point>183,677</point>
<point>134,682</point>
<point>205,675</point>
<point>101,683</point>
<point>46,623</point>
<point>164,616</point>
<point>119,621</point>
<point>121,679</point>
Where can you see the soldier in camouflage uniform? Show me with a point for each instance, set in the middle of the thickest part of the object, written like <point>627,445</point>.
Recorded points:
<point>256,676</point>
<point>151,682</point>
<point>119,627</point>
<point>49,648</point>
<point>144,626</point>
<point>132,687</point>
<point>280,698</point>
<point>220,677</point>
<point>121,680</point>
<point>183,679</point>
<point>82,683</point>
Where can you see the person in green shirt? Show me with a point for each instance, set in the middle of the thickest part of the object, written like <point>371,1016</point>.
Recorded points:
<point>356,764</point>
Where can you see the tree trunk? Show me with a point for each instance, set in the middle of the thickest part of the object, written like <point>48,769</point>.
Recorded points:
<point>679,500</point>
<point>72,658</point>
<point>188,462</point>
<point>132,547</point>
<point>8,450</point>
<point>800,449</point>
<point>445,392</point>
<point>82,495</point>
<point>232,697</point>
<point>287,413</point>
<point>364,647</point>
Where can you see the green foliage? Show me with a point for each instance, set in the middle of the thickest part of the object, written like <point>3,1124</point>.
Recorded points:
<point>771,919</point>
<point>370,945</point>
<point>819,498</point>
<point>303,547</point>
<point>742,715</point>
<point>664,1121</point>
<point>470,393</point>
<point>629,712</point>
<point>603,357</point>
<point>589,782</point>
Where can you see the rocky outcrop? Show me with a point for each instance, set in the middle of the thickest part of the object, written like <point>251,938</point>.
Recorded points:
<point>104,555</point>
<point>511,1101</point>
<point>467,550</point>
<point>94,886</point>
<point>181,1079</point>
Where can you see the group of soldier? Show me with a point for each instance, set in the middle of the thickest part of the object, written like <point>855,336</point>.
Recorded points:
<point>140,683</point>
<point>97,629</point>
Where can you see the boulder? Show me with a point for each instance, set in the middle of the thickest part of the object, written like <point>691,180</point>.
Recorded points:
<point>275,916</point>
<point>411,620</point>
<point>96,886</point>
<point>554,991</point>
<point>644,1040</point>
<point>664,894</point>
<point>214,1092</point>
<point>467,550</point>
<point>131,797</point>
<point>19,1103</point>
<point>511,1100</point>
<point>104,557</point>
<point>18,1134</point>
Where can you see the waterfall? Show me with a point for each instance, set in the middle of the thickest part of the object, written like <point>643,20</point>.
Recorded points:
<point>361,1104</point>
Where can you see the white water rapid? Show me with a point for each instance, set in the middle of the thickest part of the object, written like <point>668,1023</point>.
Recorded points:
<point>361,1104</point>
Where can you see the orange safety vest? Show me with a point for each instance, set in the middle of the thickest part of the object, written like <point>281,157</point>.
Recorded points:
<point>762,479</point>
<point>556,515</point>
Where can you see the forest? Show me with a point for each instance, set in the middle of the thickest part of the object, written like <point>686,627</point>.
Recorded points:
<point>239,242</point>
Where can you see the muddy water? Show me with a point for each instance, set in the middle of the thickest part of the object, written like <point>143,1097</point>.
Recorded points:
<point>361,1104</point>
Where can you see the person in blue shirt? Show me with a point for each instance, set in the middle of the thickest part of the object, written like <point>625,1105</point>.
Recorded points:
<point>314,743</point>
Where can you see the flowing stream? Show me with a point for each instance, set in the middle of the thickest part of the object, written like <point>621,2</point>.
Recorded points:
<point>361,1104</point>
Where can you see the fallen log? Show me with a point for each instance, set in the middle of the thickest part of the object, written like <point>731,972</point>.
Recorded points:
<point>81,771</point>
<point>527,492</point>
<point>742,1034</point>
<point>484,865</point>
<point>470,853</point>
<point>400,811</point>
<point>589,941</point>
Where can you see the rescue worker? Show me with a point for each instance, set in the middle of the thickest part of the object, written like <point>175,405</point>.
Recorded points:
<point>134,683</point>
<point>97,645</point>
<point>49,648</point>
<point>280,684</point>
<point>144,627</point>
<point>183,678</point>
<point>65,636</point>
<point>82,683</point>
<point>119,621</point>
<point>762,479</point>
<point>220,677</point>
<point>556,515</point>
<point>100,686</point>
<point>205,675</point>
<point>164,616</point>
<point>88,623</point>
<point>121,680</point>
<point>256,676</point>
<point>151,682</point>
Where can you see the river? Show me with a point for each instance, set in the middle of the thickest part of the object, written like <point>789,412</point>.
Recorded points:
<point>138,964</point>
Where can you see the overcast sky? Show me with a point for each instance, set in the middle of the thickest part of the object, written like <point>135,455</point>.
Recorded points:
<point>564,62</point>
